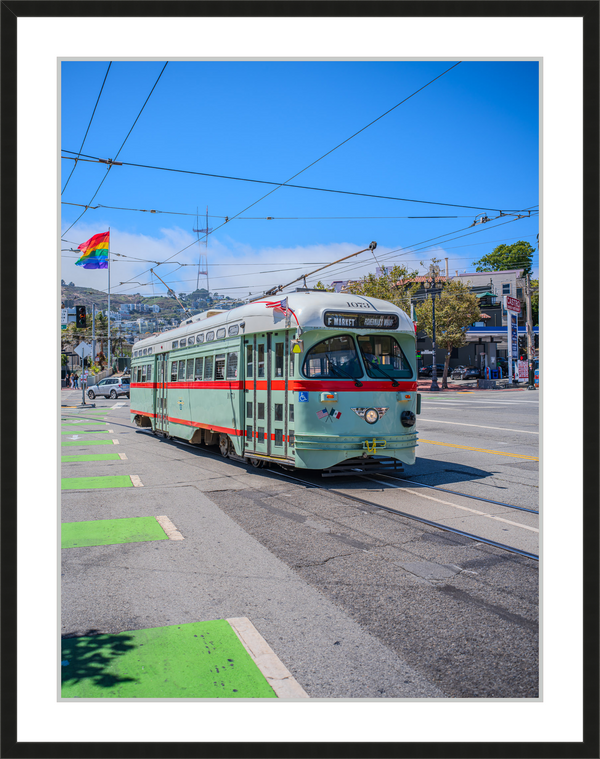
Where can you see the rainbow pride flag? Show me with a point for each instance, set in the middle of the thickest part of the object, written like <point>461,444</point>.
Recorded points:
<point>94,252</point>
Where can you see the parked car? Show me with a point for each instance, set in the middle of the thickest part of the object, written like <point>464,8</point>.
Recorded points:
<point>457,371</point>
<point>111,387</point>
<point>466,372</point>
<point>425,371</point>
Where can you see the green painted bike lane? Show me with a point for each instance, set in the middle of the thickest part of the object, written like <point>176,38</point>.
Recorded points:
<point>92,483</point>
<point>104,532</point>
<point>91,457</point>
<point>194,660</point>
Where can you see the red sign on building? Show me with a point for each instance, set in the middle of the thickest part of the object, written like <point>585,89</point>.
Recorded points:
<point>513,304</point>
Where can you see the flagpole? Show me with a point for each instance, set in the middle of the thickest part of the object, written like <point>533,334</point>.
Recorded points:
<point>109,364</point>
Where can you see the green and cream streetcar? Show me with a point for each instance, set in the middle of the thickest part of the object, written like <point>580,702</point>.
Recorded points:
<point>316,380</point>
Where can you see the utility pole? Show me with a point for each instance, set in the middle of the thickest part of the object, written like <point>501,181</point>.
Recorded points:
<point>94,332</point>
<point>530,348</point>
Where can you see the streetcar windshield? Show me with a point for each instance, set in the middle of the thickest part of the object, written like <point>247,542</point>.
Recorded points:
<point>383,351</point>
<point>335,357</point>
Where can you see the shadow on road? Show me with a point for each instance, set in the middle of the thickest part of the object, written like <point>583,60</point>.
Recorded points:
<point>89,658</point>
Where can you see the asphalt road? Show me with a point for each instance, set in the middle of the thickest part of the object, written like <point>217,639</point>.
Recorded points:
<point>356,602</point>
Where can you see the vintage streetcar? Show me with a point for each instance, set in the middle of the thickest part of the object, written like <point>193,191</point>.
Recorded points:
<point>315,380</point>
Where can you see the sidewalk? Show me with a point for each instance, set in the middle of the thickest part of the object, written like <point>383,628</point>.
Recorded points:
<point>467,386</point>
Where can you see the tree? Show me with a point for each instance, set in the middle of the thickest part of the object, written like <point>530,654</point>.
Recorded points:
<point>535,301</point>
<point>516,256</point>
<point>456,309</point>
<point>396,286</point>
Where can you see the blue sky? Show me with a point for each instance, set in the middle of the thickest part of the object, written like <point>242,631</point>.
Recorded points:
<point>471,138</point>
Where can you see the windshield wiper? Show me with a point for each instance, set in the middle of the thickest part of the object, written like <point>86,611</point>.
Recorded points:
<point>342,373</point>
<point>385,374</point>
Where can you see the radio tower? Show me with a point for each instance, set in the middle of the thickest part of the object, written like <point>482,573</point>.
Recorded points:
<point>203,258</point>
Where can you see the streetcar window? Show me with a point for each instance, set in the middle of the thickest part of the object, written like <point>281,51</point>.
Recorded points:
<point>175,344</point>
<point>279,359</point>
<point>208,367</point>
<point>144,352</point>
<point>261,434</point>
<point>260,411</point>
<point>234,329</point>
<point>174,371</point>
<point>278,438</point>
<point>199,338</point>
<point>182,342</point>
<point>291,408</point>
<point>189,370</point>
<point>143,373</point>
<point>139,374</point>
<point>232,362</point>
<point>279,412</point>
<point>248,408</point>
<point>198,369</point>
<point>291,437</point>
<point>135,354</point>
<point>261,360</point>
<point>220,366</point>
<point>181,373</point>
<point>149,351</point>
<point>291,364</point>
<point>221,333</point>
<point>249,433</point>
<point>149,373</point>
<point>210,336</point>
<point>249,365</point>
<point>191,340</point>
<point>334,358</point>
<point>383,351</point>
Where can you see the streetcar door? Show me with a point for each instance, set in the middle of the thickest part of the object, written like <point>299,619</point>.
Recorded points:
<point>278,385</point>
<point>261,386</point>
<point>162,379</point>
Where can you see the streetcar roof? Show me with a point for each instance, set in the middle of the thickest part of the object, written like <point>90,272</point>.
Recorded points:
<point>307,306</point>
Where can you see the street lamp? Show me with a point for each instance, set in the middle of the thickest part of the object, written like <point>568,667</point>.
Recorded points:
<point>430,286</point>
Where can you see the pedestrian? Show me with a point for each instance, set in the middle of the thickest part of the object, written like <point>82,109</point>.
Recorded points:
<point>71,379</point>
<point>67,377</point>
<point>76,381</point>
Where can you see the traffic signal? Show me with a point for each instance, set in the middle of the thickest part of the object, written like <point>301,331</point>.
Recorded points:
<point>80,317</point>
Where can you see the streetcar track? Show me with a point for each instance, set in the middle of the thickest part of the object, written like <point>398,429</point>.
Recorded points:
<point>411,517</point>
<point>456,492</point>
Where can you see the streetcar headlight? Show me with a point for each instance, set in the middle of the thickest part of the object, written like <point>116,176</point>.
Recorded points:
<point>371,415</point>
<point>407,418</point>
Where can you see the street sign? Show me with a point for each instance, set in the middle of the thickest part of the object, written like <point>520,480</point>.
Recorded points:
<point>512,304</point>
<point>427,353</point>
<point>83,350</point>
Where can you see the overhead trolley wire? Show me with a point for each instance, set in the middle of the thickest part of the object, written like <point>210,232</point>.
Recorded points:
<point>88,128</point>
<point>111,163</point>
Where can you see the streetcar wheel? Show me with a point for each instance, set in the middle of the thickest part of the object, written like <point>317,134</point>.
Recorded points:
<point>224,446</point>
<point>113,394</point>
<point>91,395</point>
<point>257,463</point>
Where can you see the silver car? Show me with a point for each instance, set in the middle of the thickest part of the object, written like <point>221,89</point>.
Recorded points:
<point>111,387</point>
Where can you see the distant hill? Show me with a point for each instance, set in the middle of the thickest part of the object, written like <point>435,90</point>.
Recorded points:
<point>87,296</point>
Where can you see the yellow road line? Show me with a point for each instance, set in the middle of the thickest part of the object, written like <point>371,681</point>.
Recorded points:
<point>481,450</point>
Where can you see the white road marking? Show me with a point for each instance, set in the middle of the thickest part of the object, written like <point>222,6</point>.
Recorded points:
<point>462,508</point>
<point>118,405</point>
<point>74,437</point>
<point>483,426</point>
<point>278,677</point>
<point>170,530</point>
<point>116,442</point>
<point>123,456</point>
<point>135,480</point>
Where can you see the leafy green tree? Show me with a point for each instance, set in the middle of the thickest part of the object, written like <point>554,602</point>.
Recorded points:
<point>516,256</point>
<point>321,286</point>
<point>396,286</point>
<point>456,309</point>
<point>535,301</point>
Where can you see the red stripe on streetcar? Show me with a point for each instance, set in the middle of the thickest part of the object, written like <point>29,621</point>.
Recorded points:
<point>312,385</point>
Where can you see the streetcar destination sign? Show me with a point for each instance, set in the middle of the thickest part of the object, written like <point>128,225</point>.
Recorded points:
<point>361,321</point>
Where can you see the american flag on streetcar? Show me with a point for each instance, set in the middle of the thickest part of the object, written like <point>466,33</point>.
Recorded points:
<point>282,307</point>
<point>322,413</point>
<point>279,305</point>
